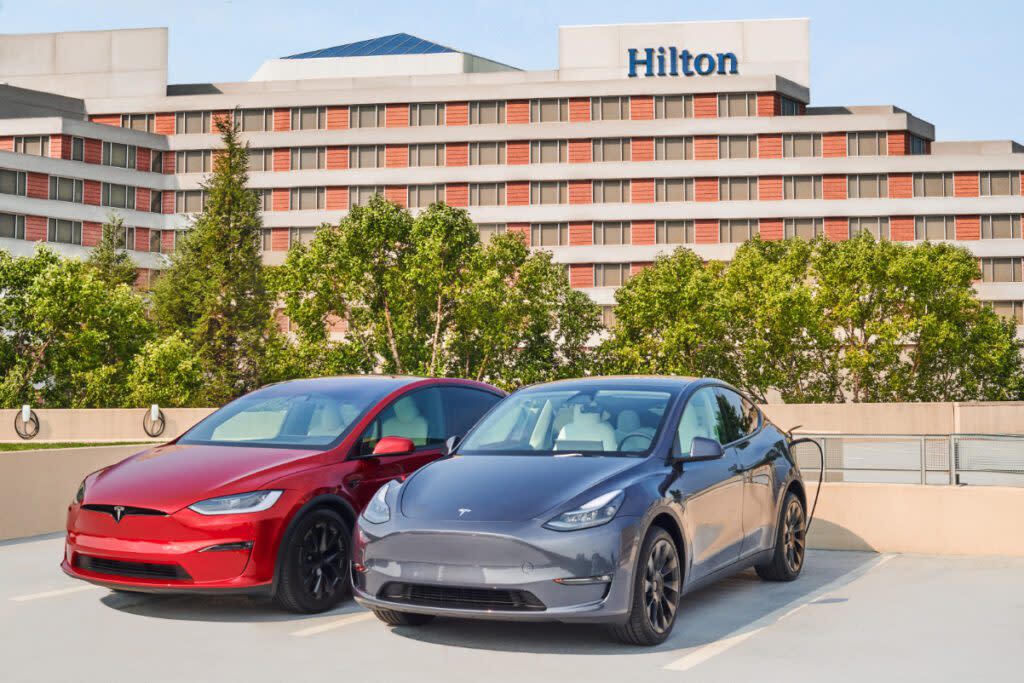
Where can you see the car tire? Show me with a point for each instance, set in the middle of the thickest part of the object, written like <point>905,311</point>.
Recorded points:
<point>390,616</point>
<point>314,572</point>
<point>657,586</point>
<point>790,543</point>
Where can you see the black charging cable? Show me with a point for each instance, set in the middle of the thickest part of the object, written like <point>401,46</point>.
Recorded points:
<point>821,470</point>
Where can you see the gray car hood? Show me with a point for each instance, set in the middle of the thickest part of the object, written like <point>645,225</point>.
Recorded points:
<point>502,488</point>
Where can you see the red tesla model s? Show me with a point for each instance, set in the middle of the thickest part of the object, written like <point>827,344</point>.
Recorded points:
<point>262,495</point>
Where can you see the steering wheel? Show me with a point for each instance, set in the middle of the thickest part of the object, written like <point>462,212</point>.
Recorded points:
<point>633,435</point>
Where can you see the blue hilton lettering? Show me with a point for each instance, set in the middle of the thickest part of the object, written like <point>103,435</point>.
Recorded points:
<point>649,62</point>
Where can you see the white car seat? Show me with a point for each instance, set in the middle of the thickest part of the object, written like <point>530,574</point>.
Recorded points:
<point>587,426</point>
<point>629,423</point>
<point>406,421</point>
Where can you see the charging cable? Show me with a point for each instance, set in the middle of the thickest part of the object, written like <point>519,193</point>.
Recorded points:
<point>821,470</point>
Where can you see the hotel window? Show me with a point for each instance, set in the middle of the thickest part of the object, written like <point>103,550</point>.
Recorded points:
<point>674,232</point>
<point>736,230</point>
<point>126,238</point>
<point>1001,269</point>
<point>309,118</point>
<point>486,153</point>
<point>607,317</point>
<point>1006,226</point>
<point>116,154</point>
<point>673,190</point>
<point>804,228</point>
<point>300,236</point>
<point>610,191</point>
<point>156,241</point>
<point>425,195</point>
<point>867,186</point>
<point>156,161</point>
<point>189,201</point>
<point>66,189</point>
<point>486,194</point>
<point>268,239</point>
<point>934,228</point>
<point>309,158</point>
<point>143,122</point>
<point>366,156</point>
<point>360,195</point>
<point>548,110</point>
<point>118,196</point>
<point>426,114</point>
<point>737,189</point>
<point>307,198</point>
<point>36,145</point>
<point>788,106</point>
<point>673,106</point>
<point>366,116</point>
<point>192,122</point>
<point>12,227</point>
<point>256,120</point>
<point>933,184</point>
<point>68,232</point>
<point>489,230</point>
<point>549,234</point>
<point>877,226</point>
<point>261,159</point>
<point>610,274</point>
<point>737,146</point>
<point>193,161</point>
<point>548,151</point>
<point>487,112</point>
<point>1000,183</point>
<point>612,232</point>
<point>673,149</point>
<point>1011,310</point>
<point>549,192</point>
<point>156,201</point>
<point>801,145</point>
<point>266,198</point>
<point>426,155</point>
<point>611,149</point>
<point>917,145</point>
<point>737,104</point>
<point>866,144</point>
<point>802,187</point>
<point>78,149</point>
<point>12,182</point>
<point>613,108</point>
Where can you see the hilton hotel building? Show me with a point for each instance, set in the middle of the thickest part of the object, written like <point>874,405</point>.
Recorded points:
<point>646,137</point>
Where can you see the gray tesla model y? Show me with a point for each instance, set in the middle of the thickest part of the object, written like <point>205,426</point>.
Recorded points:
<point>592,500</point>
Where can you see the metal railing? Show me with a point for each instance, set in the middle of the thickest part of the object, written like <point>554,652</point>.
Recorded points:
<point>934,459</point>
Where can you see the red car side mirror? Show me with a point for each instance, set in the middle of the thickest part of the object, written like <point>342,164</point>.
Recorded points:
<point>394,445</point>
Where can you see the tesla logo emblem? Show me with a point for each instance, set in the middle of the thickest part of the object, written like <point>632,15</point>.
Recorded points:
<point>118,513</point>
<point>463,511</point>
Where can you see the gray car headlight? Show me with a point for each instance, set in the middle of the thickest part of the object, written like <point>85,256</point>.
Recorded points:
<point>596,512</point>
<point>239,503</point>
<point>377,510</point>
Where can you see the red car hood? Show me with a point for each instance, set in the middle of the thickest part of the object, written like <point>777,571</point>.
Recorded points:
<point>171,477</point>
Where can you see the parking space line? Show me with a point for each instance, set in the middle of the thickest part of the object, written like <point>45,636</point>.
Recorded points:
<point>53,593</point>
<point>336,623</point>
<point>706,652</point>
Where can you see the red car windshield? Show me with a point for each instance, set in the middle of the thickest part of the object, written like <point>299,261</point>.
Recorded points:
<point>288,416</point>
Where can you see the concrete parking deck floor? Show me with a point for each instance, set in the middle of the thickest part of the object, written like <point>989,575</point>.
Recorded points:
<point>850,617</point>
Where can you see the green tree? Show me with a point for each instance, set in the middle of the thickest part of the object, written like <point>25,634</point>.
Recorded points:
<point>214,290</point>
<point>167,372</point>
<point>66,335</point>
<point>112,263</point>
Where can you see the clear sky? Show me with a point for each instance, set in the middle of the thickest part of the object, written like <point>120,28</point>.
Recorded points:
<point>957,64</point>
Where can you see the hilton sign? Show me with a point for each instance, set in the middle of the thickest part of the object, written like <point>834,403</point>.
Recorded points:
<point>659,61</point>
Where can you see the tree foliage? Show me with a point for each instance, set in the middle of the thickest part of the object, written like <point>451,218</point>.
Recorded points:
<point>111,262</point>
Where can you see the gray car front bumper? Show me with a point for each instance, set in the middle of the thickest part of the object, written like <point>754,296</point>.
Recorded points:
<point>502,556</point>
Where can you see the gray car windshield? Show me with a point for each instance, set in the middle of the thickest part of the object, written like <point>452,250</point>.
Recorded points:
<point>560,422</point>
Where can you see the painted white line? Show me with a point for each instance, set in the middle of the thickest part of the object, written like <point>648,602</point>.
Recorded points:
<point>331,625</point>
<point>54,594</point>
<point>706,652</point>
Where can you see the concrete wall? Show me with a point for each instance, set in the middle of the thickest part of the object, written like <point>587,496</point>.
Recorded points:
<point>86,425</point>
<point>900,418</point>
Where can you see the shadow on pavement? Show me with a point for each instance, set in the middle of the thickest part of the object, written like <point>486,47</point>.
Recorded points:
<point>213,608</point>
<point>723,609</point>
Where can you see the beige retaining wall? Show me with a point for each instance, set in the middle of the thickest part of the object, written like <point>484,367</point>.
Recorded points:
<point>900,418</point>
<point>85,425</point>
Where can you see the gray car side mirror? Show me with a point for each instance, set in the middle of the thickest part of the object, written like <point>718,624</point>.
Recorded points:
<point>702,448</point>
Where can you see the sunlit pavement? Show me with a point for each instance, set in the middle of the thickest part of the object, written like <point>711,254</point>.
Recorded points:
<point>850,617</point>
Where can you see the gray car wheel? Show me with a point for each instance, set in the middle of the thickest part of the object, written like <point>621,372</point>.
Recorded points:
<point>790,543</point>
<point>657,586</point>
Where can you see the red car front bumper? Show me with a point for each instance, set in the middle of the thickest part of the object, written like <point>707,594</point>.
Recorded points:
<point>183,551</point>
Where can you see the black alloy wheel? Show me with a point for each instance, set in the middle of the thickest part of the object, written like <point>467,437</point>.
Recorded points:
<point>315,565</point>
<point>790,543</point>
<point>658,586</point>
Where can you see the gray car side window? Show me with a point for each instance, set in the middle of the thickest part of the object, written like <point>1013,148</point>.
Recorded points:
<point>701,417</point>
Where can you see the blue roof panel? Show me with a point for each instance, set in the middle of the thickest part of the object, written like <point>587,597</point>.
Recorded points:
<point>395,44</point>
